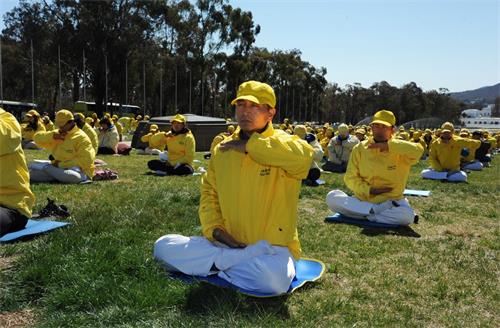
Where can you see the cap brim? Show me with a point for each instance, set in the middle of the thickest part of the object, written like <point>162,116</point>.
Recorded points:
<point>445,130</point>
<point>381,122</point>
<point>178,121</point>
<point>247,97</point>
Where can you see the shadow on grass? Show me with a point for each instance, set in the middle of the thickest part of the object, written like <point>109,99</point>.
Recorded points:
<point>401,231</point>
<point>205,298</point>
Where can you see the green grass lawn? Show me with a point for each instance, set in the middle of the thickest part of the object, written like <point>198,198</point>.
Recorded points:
<point>100,272</point>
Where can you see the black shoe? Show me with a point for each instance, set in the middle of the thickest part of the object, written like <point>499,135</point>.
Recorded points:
<point>310,183</point>
<point>52,209</point>
<point>415,219</point>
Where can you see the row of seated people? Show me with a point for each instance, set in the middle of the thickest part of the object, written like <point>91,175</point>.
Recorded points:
<point>253,247</point>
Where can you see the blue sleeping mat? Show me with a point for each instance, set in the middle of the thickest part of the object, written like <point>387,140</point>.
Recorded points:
<point>339,218</point>
<point>33,227</point>
<point>306,270</point>
<point>413,192</point>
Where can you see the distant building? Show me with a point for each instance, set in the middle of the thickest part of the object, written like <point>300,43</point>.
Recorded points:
<point>474,113</point>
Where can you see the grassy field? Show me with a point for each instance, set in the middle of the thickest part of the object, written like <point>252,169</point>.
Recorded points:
<point>99,272</point>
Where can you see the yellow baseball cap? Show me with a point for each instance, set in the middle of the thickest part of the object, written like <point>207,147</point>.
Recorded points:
<point>153,127</point>
<point>384,117</point>
<point>257,92</point>
<point>62,117</point>
<point>447,127</point>
<point>179,118</point>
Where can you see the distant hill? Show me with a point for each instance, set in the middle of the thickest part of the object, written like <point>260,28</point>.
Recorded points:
<point>486,94</point>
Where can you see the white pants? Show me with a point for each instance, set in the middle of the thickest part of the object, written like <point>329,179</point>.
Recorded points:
<point>51,173</point>
<point>386,212</point>
<point>260,267</point>
<point>148,151</point>
<point>473,166</point>
<point>458,176</point>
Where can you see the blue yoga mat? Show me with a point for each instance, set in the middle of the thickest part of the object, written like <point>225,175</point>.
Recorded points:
<point>33,227</point>
<point>339,218</point>
<point>413,192</point>
<point>306,270</point>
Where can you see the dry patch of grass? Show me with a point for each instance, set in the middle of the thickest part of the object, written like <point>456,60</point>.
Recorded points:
<point>7,262</point>
<point>17,319</point>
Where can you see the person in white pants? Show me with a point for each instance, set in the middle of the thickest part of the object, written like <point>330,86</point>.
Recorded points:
<point>259,267</point>
<point>377,173</point>
<point>397,212</point>
<point>248,205</point>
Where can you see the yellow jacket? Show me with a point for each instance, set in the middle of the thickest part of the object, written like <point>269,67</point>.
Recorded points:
<point>181,148</point>
<point>92,134</point>
<point>15,192</point>
<point>75,150</point>
<point>472,152</point>
<point>156,140</point>
<point>218,139</point>
<point>444,156</point>
<point>254,195</point>
<point>50,126</point>
<point>28,133</point>
<point>369,168</point>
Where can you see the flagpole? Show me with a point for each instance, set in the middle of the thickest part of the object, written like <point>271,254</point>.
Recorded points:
<point>84,82</point>
<point>59,71</point>
<point>32,75</point>
<point>1,73</point>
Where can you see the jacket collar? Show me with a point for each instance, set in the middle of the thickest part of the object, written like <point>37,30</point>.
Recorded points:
<point>268,131</point>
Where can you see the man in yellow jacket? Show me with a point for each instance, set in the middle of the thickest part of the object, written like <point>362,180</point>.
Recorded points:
<point>377,173</point>
<point>71,150</point>
<point>445,153</point>
<point>16,198</point>
<point>248,206</point>
<point>181,148</point>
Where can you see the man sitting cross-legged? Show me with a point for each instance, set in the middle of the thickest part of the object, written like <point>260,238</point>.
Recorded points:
<point>377,173</point>
<point>248,206</point>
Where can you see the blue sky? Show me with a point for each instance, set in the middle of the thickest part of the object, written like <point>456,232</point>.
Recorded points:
<point>436,43</point>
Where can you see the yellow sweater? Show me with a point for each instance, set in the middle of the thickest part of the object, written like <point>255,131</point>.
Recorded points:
<point>372,168</point>
<point>254,195</point>
<point>446,156</point>
<point>75,150</point>
<point>15,192</point>
<point>156,140</point>
<point>181,148</point>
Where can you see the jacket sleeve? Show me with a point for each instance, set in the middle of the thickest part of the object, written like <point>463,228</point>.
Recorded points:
<point>289,153</point>
<point>114,138</point>
<point>318,151</point>
<point>433,160</point>
<point>352,177</point>
<point>10,137</point>
<point>45,139</point>
<point>351,142</point>
<point>209,211</point>
<point>471,144</point>
<point>146,137</point>
<point>190,145</point>
<point>409,151</point>
<point>84,155</point>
